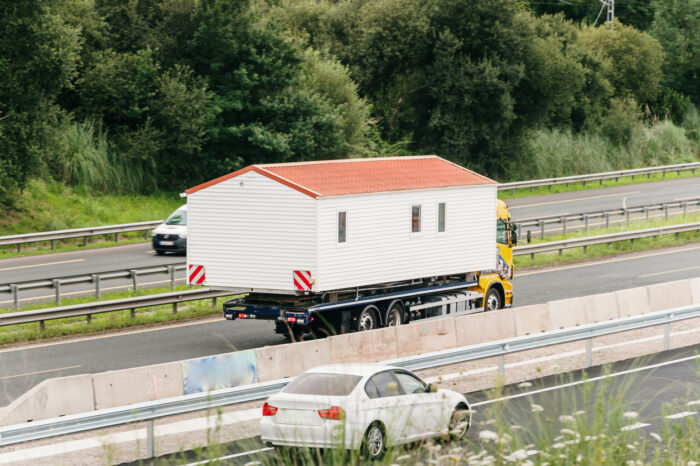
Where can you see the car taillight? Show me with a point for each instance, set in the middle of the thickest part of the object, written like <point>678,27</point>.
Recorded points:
<point>335,413</point>
<point>269,410</point>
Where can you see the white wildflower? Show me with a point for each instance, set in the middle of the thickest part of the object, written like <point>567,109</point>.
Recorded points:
<point>631,447</point>
<point>517,455</point>
<point>404,457</point>
<point>692,463</point>
<point>566,418</point>
<point>567,432</point>
<point>631,415</point>
<point>579,458</point>
<point>527,463</point>
<point>488,435</point>
<point>558,437</point>
<point>536,408</point>
<point>579,413</point>
<point>655,436</point>
<point>558,445</point>
<point>589,438</point>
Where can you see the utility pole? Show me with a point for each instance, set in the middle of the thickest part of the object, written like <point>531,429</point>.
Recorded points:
<point>611,12</point>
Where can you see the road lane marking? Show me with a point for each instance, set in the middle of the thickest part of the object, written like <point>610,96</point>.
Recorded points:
<point>682,415</point>
<point>592,379</point>
<point>26,374</point>
<point>691,198</point>
<point>537,218</point>
<point>572,200</point>
<point>40,265</point>
<point>228,457</point>
<point>669,271</point>
<point>85,292</point>
<point>591,264</point>
<point>636,426</point>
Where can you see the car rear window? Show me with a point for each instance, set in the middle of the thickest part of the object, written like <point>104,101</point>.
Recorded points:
<point>323,384</point>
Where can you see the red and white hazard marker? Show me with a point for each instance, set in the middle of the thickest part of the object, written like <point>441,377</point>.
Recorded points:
<point>196,275</point>
<point>302,280</point>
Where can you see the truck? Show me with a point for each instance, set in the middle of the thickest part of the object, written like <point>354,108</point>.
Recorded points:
<point>329,247</point>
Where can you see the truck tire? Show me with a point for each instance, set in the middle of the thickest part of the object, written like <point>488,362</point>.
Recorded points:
<point>492,300</point>
<point>394,314</point>
<point>368,318</point>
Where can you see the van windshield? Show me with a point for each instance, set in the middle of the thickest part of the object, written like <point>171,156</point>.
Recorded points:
<point>179,217</point>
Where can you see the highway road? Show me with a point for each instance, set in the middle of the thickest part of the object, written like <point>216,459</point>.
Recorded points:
<point>23,367</point>
<point>49,266</point>
<point>657,390</point>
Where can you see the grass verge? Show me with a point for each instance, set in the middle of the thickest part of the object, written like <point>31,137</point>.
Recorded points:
<point>106,321</point>
<point>623,181</point>
<point>612,249</point>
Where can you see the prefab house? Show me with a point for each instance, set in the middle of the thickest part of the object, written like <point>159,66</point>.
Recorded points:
<point>313,227</point>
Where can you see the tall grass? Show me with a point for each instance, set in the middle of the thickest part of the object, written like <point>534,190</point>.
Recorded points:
<point>561,152</point>
<point>85,158</point>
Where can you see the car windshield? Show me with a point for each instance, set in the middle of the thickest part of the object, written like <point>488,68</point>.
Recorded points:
<point>323,384</point>
<point>179,217</point>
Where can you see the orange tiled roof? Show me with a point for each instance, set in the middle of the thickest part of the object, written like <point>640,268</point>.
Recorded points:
<point>362,176</point>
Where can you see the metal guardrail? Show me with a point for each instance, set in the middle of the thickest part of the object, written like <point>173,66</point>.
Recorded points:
<point>88,309</point>
<point>566,180</point>
<point>96,279</point>
<point>549,246</point>
<point>148,411</point>
<point>84,233</point>
<point>585,217</point>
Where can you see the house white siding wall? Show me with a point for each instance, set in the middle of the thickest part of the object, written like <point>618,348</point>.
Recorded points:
<point>251,232</point>
<point>381,248</point>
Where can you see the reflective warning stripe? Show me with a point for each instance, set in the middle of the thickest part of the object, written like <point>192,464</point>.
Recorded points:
<point>302,280</point>
<point>196,275</point>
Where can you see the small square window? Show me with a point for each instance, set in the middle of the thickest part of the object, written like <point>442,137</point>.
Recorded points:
<point>441,217</point>
<point>415,218</point>
<point>342,226</point>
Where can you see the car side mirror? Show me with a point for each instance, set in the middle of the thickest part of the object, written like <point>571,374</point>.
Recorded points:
<point>432,388</point>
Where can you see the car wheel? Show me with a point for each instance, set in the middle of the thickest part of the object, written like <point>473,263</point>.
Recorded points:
<point>459,422</point>
<point>492,300</point>
<point>394,316</point>
<point>367,319</point>
<point>374,442</point>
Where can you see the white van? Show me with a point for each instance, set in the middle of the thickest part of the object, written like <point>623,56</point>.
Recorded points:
<point>171,235</point>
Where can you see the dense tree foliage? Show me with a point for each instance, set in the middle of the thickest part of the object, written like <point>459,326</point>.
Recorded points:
<point>139,95</point>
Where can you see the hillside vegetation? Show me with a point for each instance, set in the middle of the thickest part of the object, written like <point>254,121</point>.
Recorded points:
<point>137,97</point>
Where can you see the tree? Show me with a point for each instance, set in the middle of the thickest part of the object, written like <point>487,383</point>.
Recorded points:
<point>677,27</point>
<point>38,57</point>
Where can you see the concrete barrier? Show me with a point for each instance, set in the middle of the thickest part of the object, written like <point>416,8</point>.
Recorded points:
<point>426,336</point>
<point>532,319</point>
<point>129,386</point>
<point>669,295</point>
<point>601,307</point>
<point>485,326</point>
<point>51,398</point>
<point>633,301</point>
<point>369,346</point>
<point>276,362</point>
<point>220,371</point>
<point>565,313</point>
<point>695,290</point>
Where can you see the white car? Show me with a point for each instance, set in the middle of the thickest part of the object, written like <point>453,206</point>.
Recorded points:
<point>171,235</point>
<point>363,406</point>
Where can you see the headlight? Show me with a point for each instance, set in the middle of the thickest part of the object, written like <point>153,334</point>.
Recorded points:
<point>183,235</point>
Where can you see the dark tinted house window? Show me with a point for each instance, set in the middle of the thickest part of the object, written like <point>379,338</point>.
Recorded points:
<point>415,219</point>
<point>386,385</point>
<point>323,384</point>
<point>342,226</point>
<point>441,217</point>
<point>371,389</point>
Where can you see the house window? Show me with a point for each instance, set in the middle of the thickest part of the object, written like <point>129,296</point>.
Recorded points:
<point>415,218</point>
<point>441,217</point>
<point>342,226</point>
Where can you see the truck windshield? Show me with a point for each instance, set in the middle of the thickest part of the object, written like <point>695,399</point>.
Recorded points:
<point>501,234</point>
<point>178,218</point>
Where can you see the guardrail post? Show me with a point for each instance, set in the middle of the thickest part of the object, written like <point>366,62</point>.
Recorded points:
<point>88,318</point>
<point>589,352</point>
<point>171,271</point>
<point>584,183</point>
<point>667,336</point>
<point>585,219</point>
<point>601,182</point>
<point>175,308</point>
<point>133,313</point>
<point>145,234</point>
<point>53,245</point>
<point>685,208</point>
<point>627,216</point>
<point>666,211</point>
<point>57,286</point>
<point>607,220</point>
<point>19,247</point>
<point>150,440</point>
<point>15,295</point>
<point>542,229</point>
<point>563,225</point>
<point>98,290</point>
<point>42,326</point>
<point>85,240</point>
<point>512,192</point>
<point>646,213</point>
<point>502,365</point>
<point>213,301</point>
<point>649,175</point>
<point>678,173</point>
<point>529,237</point>
<point>116,237</point>
<point>134,281</point>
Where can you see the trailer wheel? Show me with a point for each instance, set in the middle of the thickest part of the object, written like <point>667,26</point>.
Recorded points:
<point>394,316</point>
<point>492,300</point>
<point>368,318</point>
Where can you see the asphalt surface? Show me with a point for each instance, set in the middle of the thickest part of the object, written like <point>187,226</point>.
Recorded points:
<point>658,390</point>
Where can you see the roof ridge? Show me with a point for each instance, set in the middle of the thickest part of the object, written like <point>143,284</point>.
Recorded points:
<point>351,160</point>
